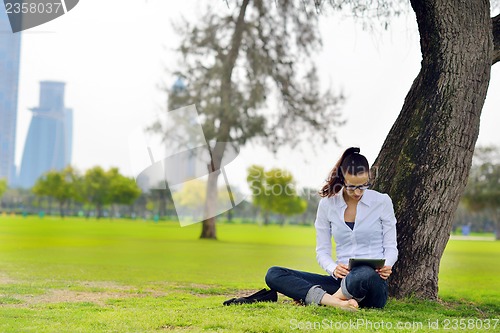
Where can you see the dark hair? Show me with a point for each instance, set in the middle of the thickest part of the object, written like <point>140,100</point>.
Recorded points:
<point>352,163</point>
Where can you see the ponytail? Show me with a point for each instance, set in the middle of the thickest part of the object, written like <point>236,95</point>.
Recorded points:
<point>351,162</point>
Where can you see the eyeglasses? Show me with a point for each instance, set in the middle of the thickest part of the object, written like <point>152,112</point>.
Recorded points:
<point>357,187</point>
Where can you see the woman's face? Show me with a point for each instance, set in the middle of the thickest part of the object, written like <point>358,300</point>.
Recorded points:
<point>355,181</point>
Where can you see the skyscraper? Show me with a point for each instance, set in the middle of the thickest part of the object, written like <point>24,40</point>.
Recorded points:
<point>10,47</point>
<point>49,142</point>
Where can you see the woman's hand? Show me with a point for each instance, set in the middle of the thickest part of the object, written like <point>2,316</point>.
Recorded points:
<point>384,272</point>
<point>341,271</point>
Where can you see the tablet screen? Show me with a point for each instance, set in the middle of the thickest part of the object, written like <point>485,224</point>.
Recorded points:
<point>373,263</point>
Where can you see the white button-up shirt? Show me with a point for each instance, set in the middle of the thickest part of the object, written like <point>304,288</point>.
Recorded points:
<point>373,235</point>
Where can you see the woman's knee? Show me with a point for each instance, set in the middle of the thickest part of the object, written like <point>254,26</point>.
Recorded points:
<point>272,274</point>
<point>367,271</point>
<point>361,278</point>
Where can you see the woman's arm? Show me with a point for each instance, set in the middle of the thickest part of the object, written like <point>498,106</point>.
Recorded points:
<point>324,238</point>
<point>389,241</point>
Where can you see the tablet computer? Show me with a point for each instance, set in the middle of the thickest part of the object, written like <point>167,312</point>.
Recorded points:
<point>373,263</point>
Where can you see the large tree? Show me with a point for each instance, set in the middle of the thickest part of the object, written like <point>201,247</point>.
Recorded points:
<point>426,157</point>
<point>234,60</point>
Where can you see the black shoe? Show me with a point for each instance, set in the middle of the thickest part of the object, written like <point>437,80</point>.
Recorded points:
<point>263,295</point>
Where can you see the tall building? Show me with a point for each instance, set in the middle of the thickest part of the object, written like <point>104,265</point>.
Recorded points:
<point>10,47</point>
<point>49,142</point>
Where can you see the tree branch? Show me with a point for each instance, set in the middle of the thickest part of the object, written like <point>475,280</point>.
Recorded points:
<point>495,22</point>
<point>227,71</point>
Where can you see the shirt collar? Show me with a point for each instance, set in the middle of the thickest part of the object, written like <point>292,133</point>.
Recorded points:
<point>366,199</point>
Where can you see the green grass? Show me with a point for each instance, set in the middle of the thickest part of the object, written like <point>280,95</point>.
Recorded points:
<point>78,275</point>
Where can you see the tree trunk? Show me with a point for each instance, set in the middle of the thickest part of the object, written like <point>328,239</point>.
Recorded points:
<point>208,227</point>
<point>162,203</point>
<point>266,217</point>
<point>99,210</point>
<point>426,157</point>
<point>61,208</point>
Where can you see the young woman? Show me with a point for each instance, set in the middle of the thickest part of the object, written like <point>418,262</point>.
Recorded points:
<point>363,225</point>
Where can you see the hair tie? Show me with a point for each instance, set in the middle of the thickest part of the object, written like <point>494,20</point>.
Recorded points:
<point>355,150</point>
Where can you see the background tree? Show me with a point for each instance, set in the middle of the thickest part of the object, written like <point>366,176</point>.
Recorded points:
<point>19,200</point>
<point>274,191</point>
<point>42,188</point>
<point>95,189</point>
<point>483,188</point>
<point>59,185</point>
<point>425,160</point>
<point>101,188</point>
<point>256,180</point>
<point>282,194</point>
<point>122,190</point>
<point>232,63</point>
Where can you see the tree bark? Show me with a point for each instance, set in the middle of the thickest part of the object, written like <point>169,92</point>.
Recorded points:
<point>425,160</point>
<point>228,119</point>
<point>208,227</point>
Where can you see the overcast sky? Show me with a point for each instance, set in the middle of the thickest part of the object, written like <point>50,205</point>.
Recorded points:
<point>113,54</point>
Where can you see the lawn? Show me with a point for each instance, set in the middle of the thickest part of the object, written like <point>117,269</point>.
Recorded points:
<point>78,275</point>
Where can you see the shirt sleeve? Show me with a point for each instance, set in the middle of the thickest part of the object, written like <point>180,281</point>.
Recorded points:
<point>389,232</point>
<point>324,238</point>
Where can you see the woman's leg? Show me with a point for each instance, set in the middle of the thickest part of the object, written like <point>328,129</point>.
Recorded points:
<point>367,287</point>
<point>310,288</point>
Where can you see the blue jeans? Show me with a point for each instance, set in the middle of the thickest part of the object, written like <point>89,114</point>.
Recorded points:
<point>362,283</point>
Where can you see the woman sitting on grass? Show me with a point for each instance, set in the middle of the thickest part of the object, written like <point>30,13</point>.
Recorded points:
<point>363,225</point>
